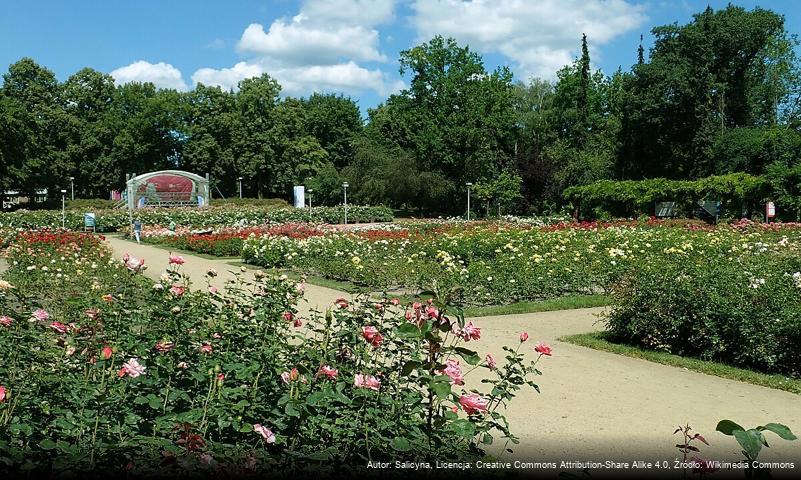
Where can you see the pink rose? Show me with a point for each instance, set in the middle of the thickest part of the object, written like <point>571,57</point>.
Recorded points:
<point>473,403</point>
<point>177,290</point>
<point>297,323</point>
<point>266,433</point>
<point>288,316</point>
<point>469,332</point>
<point>366,381</point>
<point>106,352</point>
<point>341,303</point>
<point>132,263</point>
<point>2,393</point>
<point>40,314</point>
<point>490,361</point>
<point>290,376</point>
<point>212,289</point>
<point>394,301</point>
<point>371,334</point>
<point>523,337</point>
<point>543,349</point>
<point>132,368</point>
<point>328,371</point>
<point>454,371</point>
<point>206,348</point>
<point>5,321</point>
<point>59,327</point>
<point>176,260</point>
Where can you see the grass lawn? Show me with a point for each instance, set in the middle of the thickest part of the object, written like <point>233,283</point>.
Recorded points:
<point>598,341</point>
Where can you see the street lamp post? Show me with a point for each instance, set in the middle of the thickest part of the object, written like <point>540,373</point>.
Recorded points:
<point>239,179</point>
<point>345,186</point>
<point>310,200</point>
<point>63,212</point>
<point>468,199</point>
<point>72,188</point>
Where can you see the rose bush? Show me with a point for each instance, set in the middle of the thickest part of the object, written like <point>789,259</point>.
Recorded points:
<point>109,220</point>
<point>103,369</point>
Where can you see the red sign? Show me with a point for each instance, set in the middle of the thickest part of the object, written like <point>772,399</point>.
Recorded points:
<point>770,210</point>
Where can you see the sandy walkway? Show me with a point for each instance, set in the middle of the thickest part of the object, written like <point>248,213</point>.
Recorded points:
<point>594,405</point>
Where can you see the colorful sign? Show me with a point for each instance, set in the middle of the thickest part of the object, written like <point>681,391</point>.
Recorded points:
<point>770,210</point>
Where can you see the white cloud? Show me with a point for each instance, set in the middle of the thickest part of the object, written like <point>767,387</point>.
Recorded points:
<point>300,80</point>
<point>162,75</point>
<point>227,78</point>
<point>299,42</point>
<point>539,36</point>
<point>319,49</point>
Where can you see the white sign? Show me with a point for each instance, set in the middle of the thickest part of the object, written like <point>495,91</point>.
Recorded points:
<point>770,210</point>
<point>300,196</point>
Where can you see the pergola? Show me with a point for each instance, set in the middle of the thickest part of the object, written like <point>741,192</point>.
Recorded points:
<point>168,188</point>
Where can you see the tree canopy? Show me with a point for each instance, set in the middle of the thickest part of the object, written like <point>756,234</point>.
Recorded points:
<point>718,95</point>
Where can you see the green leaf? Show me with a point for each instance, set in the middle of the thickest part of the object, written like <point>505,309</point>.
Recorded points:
<point>409,367</point>
<point>401,444</point>
<point>315,398</point>
<point>463,428</point>
<point>47,444</point>
<point>751,441</point>
<point>291,410</point>
<point>783,431</point>
<point>408,330</point>
<point>469,356</point>
<point>440,388</point>
<point>727,427</point>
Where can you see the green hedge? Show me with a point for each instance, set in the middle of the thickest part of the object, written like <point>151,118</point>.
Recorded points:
<point>110,220</point>
<point>625,198</point>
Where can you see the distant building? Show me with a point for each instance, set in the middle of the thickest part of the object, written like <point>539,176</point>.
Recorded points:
<point>17,199</point>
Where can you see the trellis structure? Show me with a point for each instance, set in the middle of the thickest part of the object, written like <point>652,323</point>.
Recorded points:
<point>168,188</point>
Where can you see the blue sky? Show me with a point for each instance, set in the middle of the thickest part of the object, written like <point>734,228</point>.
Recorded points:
<point>347,46</point>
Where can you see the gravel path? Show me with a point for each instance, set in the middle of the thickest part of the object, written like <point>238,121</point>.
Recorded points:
<point>594,405</point>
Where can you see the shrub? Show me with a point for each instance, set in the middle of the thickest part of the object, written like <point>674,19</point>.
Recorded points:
<point>115,373</point>
<point>740,304</point>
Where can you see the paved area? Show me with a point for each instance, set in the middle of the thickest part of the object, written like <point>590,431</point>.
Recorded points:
<point>594,405</point>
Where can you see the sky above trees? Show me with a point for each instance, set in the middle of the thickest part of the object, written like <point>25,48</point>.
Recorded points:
<point>333,46</point>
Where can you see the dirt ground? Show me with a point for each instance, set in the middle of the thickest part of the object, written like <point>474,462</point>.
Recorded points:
<point>594,405</point>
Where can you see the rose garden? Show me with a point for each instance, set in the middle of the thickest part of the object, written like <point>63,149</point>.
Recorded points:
<point>154,357</point>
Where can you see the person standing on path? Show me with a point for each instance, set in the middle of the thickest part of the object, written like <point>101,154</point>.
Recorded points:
<point>137,229</point>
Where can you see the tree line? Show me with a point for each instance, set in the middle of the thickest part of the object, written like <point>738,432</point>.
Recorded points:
<point>717,95</point>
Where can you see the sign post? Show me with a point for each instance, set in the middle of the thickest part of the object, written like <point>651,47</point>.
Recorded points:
<point>89,222</point>
<point>770,211</point>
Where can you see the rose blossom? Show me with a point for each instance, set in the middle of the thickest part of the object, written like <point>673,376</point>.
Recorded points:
<point>473,403</point>
<point>40,314</point>
<point>164,346</point>
<point>453,370</point>
<point>543,349</point>
<point>5,321</point>
<point>106,352</point>
<point>290,376</point>
<point>341,303</point>
<point>206,348</point>
<point>523,337</point>
<point>328,371</point>
<point>132,368</point>
<point>394,301</point>
<point>176,260</point>
<point>2,393</point>
<point>183,365</point>
<point>371,334</point>
<point>490,361</point>
<point>297,323</point>
<point>212,289</point>
<point>177,290</point>
<point>266,433</point>
<point>469,332</point>
<point>59,327</point>
<point>366,381</point>
<point>132,263</point>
